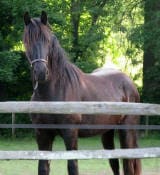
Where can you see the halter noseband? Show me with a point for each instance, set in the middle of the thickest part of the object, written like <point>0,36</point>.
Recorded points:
<point>38,60</point>
<point>34,61</point>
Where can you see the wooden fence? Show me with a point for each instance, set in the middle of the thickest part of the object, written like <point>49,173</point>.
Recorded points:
<point>111,108</point>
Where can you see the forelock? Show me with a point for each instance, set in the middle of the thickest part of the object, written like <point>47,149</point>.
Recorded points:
<point>36,31</point>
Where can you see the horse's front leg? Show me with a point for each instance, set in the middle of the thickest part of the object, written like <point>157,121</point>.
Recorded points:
<point>70,137</point>
<point>44,141</point>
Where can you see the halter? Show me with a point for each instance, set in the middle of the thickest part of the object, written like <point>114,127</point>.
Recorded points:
<point>32,63</point>
<point>38,60</point>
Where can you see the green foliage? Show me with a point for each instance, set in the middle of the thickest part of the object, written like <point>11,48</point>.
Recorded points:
<point>124,44</point>
<point>153,74</point>
<point>16,87</point>
<point>151,95</point>
<point>8,64</point>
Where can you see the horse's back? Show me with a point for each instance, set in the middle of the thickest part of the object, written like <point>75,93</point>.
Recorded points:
<point>105,71</point>
<point>111,84</point>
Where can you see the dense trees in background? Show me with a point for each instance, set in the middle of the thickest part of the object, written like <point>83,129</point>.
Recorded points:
<point>93,32</point>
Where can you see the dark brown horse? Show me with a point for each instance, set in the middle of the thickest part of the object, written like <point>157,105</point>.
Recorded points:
<point>56,79</point>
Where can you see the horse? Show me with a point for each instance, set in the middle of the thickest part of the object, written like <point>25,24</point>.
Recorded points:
<point>55,78</point>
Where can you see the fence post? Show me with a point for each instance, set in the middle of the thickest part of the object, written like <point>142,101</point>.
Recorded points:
<point>13,122</point>
<point>146,123</point>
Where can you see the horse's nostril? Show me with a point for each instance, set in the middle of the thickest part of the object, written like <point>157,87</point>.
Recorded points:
<point>40,71</point>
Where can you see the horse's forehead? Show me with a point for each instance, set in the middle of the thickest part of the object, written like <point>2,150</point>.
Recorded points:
<point>35,20</point>
<point>34,26</point>
<point>36,30</point>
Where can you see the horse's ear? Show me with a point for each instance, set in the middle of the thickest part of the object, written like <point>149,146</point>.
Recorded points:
<point>44,17</point>
<point>27,18</point>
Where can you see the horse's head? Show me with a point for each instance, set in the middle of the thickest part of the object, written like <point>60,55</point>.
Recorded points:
<point>37,39</point>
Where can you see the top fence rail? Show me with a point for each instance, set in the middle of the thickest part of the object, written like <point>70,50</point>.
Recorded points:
<point>110,108</point>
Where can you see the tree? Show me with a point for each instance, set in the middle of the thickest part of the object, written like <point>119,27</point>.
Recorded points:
<point>151,62</point>
<point>90,33</point>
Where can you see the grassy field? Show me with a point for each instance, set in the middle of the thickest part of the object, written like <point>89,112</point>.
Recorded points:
<point>58,167</point>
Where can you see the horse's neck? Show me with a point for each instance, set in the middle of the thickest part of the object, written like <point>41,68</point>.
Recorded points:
<point>51,91</point>
<point>61,70</point>
<point>63,75</point>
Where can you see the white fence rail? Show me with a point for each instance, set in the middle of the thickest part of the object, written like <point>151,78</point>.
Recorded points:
<point>81,154</point>
<point>111,108</point>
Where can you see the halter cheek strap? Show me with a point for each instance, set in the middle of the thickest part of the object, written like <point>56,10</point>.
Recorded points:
<point>35,86</point>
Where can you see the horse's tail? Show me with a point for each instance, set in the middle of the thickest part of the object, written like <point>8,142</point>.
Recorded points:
<point>130,91</point>
<point>129,137</point>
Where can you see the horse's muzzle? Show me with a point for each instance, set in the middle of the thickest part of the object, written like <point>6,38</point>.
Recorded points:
<point>40,72</point>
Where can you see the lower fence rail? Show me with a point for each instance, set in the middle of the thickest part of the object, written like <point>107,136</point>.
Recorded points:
<point>80,126</point>
<point>153,152</point>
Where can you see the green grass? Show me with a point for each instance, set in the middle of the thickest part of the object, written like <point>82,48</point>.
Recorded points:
<point>58,167</point>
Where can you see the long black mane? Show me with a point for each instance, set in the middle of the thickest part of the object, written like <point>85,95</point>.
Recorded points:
<point>59,64</point>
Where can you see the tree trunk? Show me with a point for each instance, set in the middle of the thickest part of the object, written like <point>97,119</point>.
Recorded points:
<point>151,61</point>
<point>75,19</point>
<point>151,47</point>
